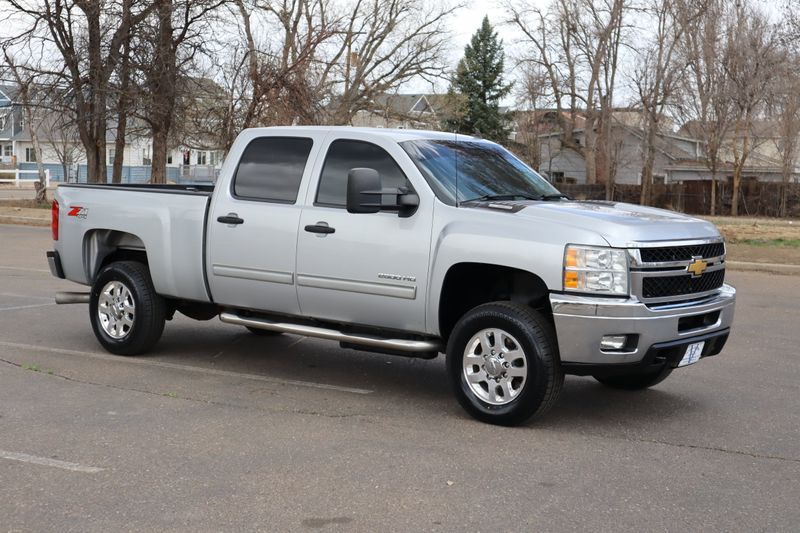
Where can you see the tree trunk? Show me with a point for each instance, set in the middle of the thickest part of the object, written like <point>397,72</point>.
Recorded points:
<point>163,82</point>
<point>713,189</point>
<point>119,149</point>
<point>646,197</point>
<point>737,176</point>
<point>158,172</point>
<point>590,151</point>
<point>123,103</point>
<point>41,185</point>
<point>96,153</point>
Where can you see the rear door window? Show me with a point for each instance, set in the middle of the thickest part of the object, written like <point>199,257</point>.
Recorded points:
<point>271,169</point>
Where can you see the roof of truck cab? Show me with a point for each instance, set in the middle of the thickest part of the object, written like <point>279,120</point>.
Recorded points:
<point>398,135</point>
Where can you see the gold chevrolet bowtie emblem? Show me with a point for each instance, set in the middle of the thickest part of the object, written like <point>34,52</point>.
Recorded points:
<point>697,267</point>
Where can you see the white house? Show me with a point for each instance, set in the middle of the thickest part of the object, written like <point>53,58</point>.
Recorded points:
<point>63,154</point>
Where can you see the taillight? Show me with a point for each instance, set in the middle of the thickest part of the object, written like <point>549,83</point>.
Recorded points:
<point>54,220</point>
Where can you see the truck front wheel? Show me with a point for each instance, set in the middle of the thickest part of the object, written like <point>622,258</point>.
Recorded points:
<point>503,363</point>
<point>127,314</point>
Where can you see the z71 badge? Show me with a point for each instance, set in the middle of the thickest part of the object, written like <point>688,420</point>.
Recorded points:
<point>80,212</point>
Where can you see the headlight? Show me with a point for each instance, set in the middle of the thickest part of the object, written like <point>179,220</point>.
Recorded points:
<point>595,269</point>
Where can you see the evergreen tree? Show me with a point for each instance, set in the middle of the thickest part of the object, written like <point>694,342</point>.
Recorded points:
<point>478,87</point>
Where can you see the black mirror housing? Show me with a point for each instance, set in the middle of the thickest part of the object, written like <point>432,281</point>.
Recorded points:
<point>364,194</point>
<point>361,184</point>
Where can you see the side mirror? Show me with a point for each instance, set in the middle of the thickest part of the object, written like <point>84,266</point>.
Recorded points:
<point>361,186</point>
<point>365,194</point>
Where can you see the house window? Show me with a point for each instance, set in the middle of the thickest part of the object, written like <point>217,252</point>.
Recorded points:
<point>169,158</point>
<point>3,122</point>
<point>111,155</point>
<point>214,158</point>
<point>146,160</point>
<point>201,158</point>
<point>30,155</point>
<point>7,150</point>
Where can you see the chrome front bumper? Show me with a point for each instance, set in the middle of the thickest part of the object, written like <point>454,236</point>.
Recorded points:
<point>582,321</point>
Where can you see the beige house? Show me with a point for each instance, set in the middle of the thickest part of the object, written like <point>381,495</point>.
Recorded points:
<point>404,111</point>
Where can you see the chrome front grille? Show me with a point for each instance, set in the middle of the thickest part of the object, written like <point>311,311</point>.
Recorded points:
<point>664,254</point>
<point>660,271</point>
<point>667,286</point>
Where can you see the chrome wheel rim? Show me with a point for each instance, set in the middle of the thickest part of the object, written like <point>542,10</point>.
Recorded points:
<point>116,309</point>
<point>495,367</point>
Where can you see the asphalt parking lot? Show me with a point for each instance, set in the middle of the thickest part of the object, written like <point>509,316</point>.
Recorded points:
<point>220,430</point>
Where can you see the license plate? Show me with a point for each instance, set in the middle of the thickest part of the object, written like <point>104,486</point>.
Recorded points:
<point>692,355</point>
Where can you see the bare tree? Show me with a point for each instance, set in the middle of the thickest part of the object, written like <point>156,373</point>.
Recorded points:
<point>380,45</point>
<point>283,83</point>
<point>751,58</point>
<point>552,52</point>
<point>657,73</point>
<point>581,64</point>
<point>532,94</point>
<point>704,92</point>
<point>87,35</point>
<point>28,95</point>
<point>173,40</point>
<point>786,110</point>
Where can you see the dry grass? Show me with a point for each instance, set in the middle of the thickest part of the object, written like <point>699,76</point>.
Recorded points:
<point>761,240</point>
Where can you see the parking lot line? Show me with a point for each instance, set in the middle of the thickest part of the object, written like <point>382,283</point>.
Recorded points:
<point>24,269</point>
<point>46,461</point>
<point>29,306</point>
<point>17,295</point>
<point>189,368</point>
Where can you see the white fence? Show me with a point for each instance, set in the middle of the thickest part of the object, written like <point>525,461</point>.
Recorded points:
<point>18,181</point>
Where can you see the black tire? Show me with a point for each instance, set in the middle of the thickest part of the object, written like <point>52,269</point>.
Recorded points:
<point>263,332</point>
<point>642,380</point>
<point>536,337</point>
<point>150,309</point>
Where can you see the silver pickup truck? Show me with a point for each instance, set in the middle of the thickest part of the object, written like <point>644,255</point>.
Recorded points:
<point>407,243</point>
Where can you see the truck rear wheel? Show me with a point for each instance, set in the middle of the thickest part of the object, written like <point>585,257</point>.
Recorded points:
<point>503,363</point>
<point>127,314</point>
<point>635,381</point>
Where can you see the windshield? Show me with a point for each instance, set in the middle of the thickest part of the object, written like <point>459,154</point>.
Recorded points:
<point>479,170</point>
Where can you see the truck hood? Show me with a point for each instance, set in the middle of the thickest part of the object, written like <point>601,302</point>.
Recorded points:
<point>621,225</point>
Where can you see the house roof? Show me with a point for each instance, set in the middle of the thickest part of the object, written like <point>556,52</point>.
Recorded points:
<point>8,94</point>
<point>415,105</point>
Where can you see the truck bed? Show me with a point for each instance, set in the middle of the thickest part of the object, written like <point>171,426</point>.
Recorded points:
<point>166,222</point>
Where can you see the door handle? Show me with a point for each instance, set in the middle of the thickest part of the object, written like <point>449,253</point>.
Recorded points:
<point>320,227</point>
<point>231,218</point>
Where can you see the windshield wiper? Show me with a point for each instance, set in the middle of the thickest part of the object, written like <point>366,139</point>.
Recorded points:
<point>500,197</point>
<point>558,196</point>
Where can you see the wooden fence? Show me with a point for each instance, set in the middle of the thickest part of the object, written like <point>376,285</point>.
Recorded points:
<point>694,197</point>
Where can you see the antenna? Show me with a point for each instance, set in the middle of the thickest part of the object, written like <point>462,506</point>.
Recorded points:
<point>455,155</point>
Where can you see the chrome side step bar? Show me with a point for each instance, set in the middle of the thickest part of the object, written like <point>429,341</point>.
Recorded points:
<point>73,297</point>
<point>401,345</point>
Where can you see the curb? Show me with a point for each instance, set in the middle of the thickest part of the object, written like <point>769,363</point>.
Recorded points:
<point>24,221</point>
<point>749,266</point>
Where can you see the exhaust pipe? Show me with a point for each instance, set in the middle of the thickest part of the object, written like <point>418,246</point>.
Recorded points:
<point>73,297</point>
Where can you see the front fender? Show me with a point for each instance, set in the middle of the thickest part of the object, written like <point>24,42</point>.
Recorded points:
<point>469,235</point>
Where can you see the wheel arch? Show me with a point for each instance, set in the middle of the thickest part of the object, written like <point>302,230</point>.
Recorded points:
<point>104,246</point>
<point>460,292</point>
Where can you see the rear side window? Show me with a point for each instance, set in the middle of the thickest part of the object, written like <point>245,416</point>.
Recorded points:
<point>344,155</point>
<point>271,169</point>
